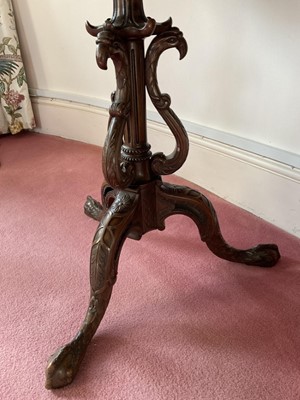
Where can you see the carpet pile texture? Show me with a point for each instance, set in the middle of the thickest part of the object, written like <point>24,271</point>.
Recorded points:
<point>182,324</point>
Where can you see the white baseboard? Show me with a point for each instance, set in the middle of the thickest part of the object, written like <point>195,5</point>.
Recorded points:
<point>267,188</point>
<point>70,120</point>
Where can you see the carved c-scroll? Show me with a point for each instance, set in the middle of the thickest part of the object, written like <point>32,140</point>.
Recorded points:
<point>118,174</point>
<point>161,164</point>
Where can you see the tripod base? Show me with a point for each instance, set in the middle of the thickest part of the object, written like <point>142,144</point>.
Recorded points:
<point>132,213</point>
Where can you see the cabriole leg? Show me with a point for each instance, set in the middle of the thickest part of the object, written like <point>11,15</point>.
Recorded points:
<point>183,200</point>
<point>109,238</point>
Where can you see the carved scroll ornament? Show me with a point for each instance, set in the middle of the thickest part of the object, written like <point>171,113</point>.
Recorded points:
<point>161,164</point>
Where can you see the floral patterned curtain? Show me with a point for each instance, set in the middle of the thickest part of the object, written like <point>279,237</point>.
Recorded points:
<point>15,106</point>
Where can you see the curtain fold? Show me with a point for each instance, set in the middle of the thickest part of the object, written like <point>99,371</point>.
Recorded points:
<point>15,106</point>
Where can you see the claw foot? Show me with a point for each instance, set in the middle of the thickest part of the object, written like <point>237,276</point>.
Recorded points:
<point>93,208</point>
<point>62,367</point>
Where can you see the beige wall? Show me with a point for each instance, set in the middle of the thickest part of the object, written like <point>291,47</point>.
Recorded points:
<point>244,59</point>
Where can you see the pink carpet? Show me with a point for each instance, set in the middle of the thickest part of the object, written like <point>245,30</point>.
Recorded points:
<point>182,324</point>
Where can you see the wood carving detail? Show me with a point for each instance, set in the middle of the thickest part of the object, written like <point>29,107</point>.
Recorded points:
<point>183,200</point>
<point>134,198</point>
<point>161,164</point>
<point>109,238</point>
<point>117,173</point>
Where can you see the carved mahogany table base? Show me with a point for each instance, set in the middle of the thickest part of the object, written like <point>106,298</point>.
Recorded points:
<point>135,200</point>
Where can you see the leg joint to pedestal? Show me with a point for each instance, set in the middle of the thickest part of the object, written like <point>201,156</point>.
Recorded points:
<point>147,217</point>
